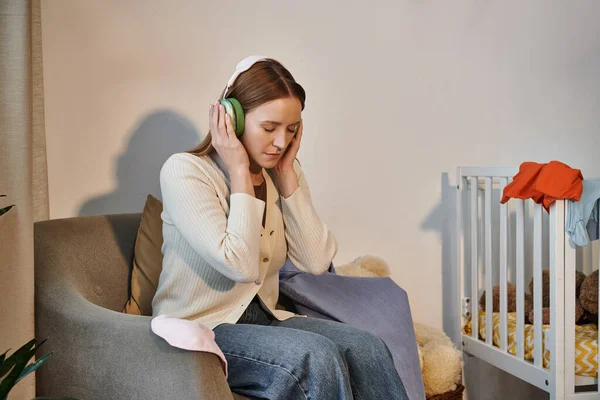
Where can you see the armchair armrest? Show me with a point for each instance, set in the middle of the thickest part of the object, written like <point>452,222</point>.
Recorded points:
<point>104,354</point>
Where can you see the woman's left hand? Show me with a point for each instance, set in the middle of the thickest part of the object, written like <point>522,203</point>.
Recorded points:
<point>286,162</point>
<point>284,170</point>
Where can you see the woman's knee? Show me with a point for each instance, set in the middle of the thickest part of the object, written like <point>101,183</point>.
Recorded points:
<point>323,354</point>
<point>322,369</point>
<point>367,345</point>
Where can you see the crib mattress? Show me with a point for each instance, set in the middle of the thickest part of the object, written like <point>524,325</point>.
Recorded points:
<point>585,341</point>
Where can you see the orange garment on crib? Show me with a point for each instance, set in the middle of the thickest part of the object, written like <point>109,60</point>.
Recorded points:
<point>544,183</point>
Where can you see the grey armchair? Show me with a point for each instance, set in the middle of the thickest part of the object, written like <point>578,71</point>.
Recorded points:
<point>82,267</point>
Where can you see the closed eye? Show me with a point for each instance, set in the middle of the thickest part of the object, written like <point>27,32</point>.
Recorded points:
<point>272,130</point>
<point>293,129</point>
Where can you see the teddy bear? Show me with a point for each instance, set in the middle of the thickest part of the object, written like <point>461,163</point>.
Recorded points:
<point>579,310</point>
<point>365,266</point>
<point>588,297</point>
<point>511,298</point>
<point>441,362</point>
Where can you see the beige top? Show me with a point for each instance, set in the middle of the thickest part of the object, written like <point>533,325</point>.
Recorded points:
<point>217,255</point>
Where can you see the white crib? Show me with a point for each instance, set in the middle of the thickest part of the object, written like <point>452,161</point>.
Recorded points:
<point>495,242</point>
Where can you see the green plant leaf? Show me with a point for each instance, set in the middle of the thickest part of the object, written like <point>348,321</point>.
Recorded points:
<point>2,357</point>
<point>10,369</point>
<point>9,382</point>
<point>4,210</point>
<point>37,346</point>
<point>33,366</point>
<point>16,363</point>
<point>10,361</point>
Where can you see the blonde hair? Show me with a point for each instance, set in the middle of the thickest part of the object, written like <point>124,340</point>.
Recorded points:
<point>265,81</point>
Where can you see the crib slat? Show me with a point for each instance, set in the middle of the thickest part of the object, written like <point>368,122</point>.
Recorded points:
<point>537,284</point>
<point>557,293</point>
<point>569,329</point>
<point>488,261</point>
<point>474,260</point>
<point>460,260</point>
<point>511,271</point>
<point>598,336</point>
<point>520,250</point>
<point>503,267</point>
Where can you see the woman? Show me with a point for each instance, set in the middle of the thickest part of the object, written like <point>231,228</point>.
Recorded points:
<point>234,208</point>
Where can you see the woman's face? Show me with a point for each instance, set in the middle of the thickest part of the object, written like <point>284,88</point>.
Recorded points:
<point>269,130</point>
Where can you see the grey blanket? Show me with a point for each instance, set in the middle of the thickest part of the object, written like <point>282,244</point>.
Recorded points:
<point>376,305</point>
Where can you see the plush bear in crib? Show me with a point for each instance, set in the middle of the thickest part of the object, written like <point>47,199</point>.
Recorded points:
<point>441,362</point>
<point>579,310</point>
<point>511,298</point>
<point>588,296</point>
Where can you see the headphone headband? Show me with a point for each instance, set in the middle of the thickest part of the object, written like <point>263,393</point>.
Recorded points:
<point>233,106</point>
<point>242,66</point>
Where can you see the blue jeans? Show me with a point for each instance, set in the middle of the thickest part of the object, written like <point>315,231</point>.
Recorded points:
<point>306,358</point>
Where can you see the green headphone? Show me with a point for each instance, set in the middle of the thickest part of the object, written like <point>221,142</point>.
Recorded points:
<point>233,106</point>
<point>236,112</point>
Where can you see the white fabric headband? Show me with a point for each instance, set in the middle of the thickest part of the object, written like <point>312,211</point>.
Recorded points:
<point>242,66</point>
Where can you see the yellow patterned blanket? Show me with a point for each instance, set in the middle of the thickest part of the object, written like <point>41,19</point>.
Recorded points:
<point>585,341</point>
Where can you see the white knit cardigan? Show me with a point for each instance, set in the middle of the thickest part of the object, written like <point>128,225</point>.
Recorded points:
<point>216,254</point>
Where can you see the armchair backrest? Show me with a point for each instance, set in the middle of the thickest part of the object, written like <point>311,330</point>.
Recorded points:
<point>92,255</point>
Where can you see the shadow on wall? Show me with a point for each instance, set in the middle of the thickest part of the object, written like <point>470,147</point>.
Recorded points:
<point>159,135</point>
<point>442,220</point>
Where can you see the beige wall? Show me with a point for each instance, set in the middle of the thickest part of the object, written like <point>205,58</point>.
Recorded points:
<point>399,93</point>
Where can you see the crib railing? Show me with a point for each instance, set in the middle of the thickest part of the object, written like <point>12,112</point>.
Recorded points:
<point>476,231</point>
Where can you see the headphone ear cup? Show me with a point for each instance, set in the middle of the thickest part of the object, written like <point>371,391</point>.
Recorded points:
<point>239,116</point>
<point>229,110</point>
<point>236,112</point>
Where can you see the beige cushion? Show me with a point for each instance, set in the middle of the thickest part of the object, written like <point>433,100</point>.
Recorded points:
<point>147,262</point>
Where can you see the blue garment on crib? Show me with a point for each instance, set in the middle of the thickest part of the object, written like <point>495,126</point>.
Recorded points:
<point>582,216</point>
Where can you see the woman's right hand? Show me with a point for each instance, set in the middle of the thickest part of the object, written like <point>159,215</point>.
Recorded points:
<point>225,141</point>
